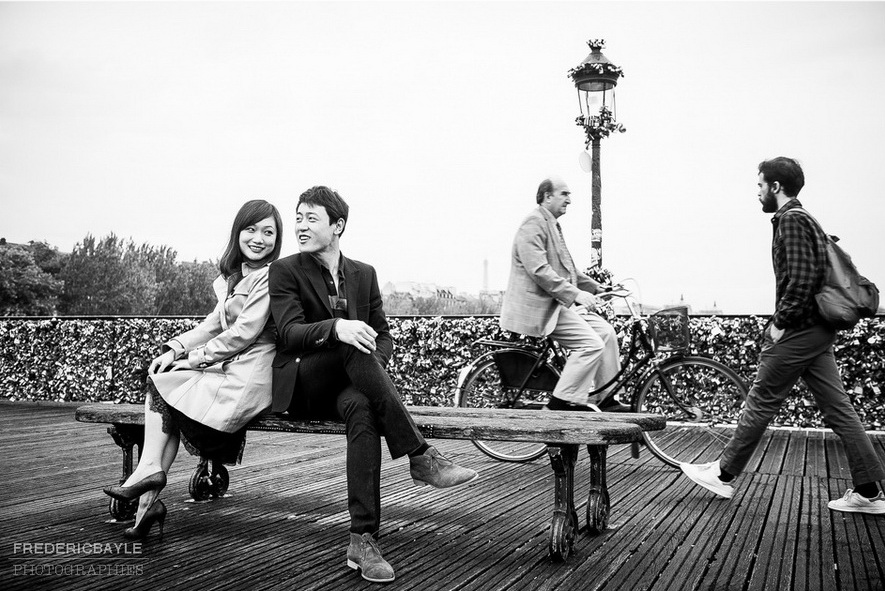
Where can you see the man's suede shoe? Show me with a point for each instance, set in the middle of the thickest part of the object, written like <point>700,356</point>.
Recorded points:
<point>363,554</point>
<point>438,471</point>
<point>855,503</point>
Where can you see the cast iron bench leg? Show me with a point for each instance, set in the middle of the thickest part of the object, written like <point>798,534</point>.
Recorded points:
<point>597,501</point>
<point>208,482</point>
<point>564,527</point>
<point>127,437</point>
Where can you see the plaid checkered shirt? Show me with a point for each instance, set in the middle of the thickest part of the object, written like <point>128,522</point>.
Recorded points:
<point>798,252</point>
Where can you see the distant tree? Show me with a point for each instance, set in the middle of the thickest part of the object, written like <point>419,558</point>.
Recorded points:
<point>189,292</point>
<point>25,288</point>
<point>110,276</point>
<point>397,304</point>
<point>436,305</point>
<point>484,304</point>
<point>167,276</point>
<point>140,288</point>
<point>114,276</point>
<point>95,278</point>
<point>170,288</point>
<point>427,306</point>
<point>48,258</point>
<point>403,304</point>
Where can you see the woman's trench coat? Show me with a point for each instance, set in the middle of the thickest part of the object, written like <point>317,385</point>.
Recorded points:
<point>233,347</point>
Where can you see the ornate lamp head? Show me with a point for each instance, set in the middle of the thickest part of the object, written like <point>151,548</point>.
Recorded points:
<point>595,79</point>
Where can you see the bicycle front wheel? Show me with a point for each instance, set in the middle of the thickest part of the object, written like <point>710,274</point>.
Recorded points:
<point>701,400</point>
<point>497,382</point>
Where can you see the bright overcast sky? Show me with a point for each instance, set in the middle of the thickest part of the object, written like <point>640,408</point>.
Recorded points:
<point>437,121</point>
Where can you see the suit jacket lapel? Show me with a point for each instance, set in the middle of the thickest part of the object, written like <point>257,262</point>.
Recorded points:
<point>553,231</point>
<point>565,258</point>
<point>312,270</point>
<point>351,285</point>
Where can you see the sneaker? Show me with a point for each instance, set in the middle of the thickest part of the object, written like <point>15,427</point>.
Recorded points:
<point>855,503</point>
<point>707,475</point>
<point>363,554</point>
<point>434,469</point>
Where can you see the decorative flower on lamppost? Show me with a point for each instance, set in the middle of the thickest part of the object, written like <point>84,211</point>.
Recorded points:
<point>595,79</point>
<point>599,126</point>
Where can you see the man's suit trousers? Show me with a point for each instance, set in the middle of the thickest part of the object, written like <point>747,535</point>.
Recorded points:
<point>593,355</point>
<point>342,382</point>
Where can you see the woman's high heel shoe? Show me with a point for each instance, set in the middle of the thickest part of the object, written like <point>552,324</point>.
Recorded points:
<point>155,481</point>
<point>156,512</point>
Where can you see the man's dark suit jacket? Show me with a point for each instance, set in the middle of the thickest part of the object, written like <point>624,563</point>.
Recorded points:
<point>304,320</point>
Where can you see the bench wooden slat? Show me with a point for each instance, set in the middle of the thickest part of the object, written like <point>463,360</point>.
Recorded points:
<point>449,423</point>
<point>647,421</point>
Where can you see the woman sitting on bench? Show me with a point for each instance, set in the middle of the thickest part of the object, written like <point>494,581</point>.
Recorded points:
<point>212,380</point>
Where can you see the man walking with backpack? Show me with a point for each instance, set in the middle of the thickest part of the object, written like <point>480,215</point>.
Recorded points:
<point>797,343</point>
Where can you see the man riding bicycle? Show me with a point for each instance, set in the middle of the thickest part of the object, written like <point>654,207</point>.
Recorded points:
<point>540,300</point>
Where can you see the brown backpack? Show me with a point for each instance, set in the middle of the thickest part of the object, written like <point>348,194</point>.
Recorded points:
<point>846,295</point>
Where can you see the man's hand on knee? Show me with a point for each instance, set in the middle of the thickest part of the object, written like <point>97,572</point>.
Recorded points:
<point>356,333</point>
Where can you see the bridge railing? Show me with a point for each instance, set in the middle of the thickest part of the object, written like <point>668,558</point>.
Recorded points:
<point>104,358</point>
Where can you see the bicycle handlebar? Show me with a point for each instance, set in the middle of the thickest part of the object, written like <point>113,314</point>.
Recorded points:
<point>618,290</point>
<point>614,291</point>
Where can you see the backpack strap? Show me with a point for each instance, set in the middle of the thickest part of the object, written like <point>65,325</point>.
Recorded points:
<point>820,228</point>
<point>805,211</point>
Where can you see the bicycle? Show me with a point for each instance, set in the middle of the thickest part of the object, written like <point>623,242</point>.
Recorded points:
<point>700,397</point>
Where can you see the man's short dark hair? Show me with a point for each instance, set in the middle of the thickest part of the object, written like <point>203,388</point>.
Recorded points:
<point>545,187</point>
<point>785,171</point>
<point>331,200</point>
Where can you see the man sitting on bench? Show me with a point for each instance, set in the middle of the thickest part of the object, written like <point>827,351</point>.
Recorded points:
<point>332,345</point>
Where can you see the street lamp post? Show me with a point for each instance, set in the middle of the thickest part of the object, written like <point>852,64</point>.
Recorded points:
<point>595,79</point>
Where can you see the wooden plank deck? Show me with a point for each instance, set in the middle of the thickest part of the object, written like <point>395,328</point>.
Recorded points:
<point>284,522</point>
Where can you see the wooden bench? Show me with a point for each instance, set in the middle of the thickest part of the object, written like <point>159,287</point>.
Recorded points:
<point>563,432</point>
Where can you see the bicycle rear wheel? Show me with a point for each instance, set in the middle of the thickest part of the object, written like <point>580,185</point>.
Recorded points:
<point>495,383</point>
<point>701,399</point>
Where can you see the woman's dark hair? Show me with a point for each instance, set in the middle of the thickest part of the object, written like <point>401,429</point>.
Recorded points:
<point>250,213</point>
<point>785,171</point>
<point>331,200</point>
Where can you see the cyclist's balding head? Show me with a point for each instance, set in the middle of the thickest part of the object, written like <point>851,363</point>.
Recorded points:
<point>553,195</point>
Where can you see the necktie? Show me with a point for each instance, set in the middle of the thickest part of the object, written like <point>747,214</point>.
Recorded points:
<point>567,257</point>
